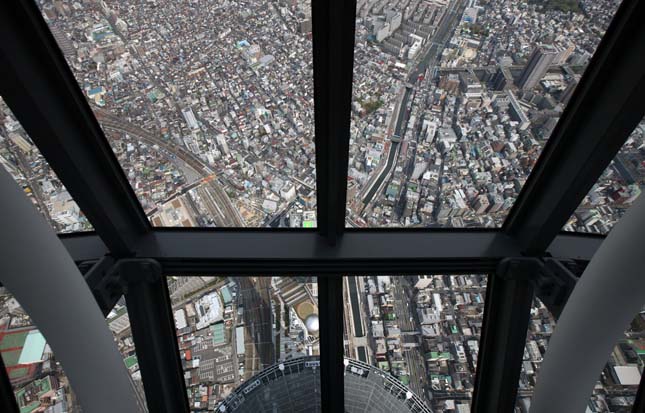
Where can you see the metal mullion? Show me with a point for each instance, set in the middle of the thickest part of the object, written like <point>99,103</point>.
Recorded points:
<point>333,50</point>
<point>604,110</point>
<point>154,334</point>
<point>43,94</point>
<point>332,370</point>
<point>509,295</point>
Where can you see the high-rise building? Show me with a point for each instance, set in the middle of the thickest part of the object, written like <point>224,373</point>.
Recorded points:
<point>564,53</point>
<point>502,79</point>
<point>190,118</point>
<point>536,67</point>
<point>568,91</point>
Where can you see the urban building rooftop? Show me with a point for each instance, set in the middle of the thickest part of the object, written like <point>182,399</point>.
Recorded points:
<point>369,205</point>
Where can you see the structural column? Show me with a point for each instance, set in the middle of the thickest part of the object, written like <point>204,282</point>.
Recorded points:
<point>509,296</point>
<point>153,331</point>
<point>332,369</point>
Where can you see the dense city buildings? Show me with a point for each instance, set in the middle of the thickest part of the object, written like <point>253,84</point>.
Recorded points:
<point>242,339</point>
<point>231,329</point>
<point>452,108</point>
<point>39,382</point>
<point>208,107</point>
<point>251,344</point>
<point>616,388</point>
<point>22,159</point>
<point>618,187</point>
<point>213,124</point>
<point>425,331</point>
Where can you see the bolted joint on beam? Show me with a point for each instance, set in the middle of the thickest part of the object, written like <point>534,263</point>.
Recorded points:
<point>552,279</point>
<point>519,269</point>
<point>104,283</point>
<point>137,270</point>
<point>555,283</point>
<point>110,278</point>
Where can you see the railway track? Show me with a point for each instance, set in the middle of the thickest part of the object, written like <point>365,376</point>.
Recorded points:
<point>223,211</point>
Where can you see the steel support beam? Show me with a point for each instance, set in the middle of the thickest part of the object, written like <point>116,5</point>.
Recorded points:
<point>43,94</point>
<point>606,106</point>
<point>291,252</point>
<point>554,285</point>
<point>84,246</point>
<point>509,296</point>
<point>574,246</point>
<point>154,334</point>
<point>257,252</point>
<point>104,283</point>
<point>332,369</point>
<point>333,42</point>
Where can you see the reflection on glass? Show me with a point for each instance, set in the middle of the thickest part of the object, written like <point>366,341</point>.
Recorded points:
<point>38,380</point>
<point>207,105</point>
<point>422,331</point>
<point>454,100</point>
<point>615,390</point>
<point>614,192</point>
<point>24,162</point>
<point>248,342</point>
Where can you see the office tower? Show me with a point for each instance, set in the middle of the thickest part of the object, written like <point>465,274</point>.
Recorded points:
<point>568,91</point>
<point>502,79</point>
<point>564,53</point>
<point>536,67</point>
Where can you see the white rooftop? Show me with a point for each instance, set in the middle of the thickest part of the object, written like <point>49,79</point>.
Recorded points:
<point>628,375</point>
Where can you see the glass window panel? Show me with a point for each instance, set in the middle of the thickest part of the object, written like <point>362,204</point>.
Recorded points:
<point>454,101</point>
<point>616,388</point>
<point>419,332</point>
<point>207,105</point>
<point>119,323</point>
<point>248,342</point>
<point>37,378</point>
<point>618,187</point>
<point>24,162</point>
<point>541,324</point>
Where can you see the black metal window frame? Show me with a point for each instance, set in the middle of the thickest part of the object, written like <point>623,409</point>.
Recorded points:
<point>41,90</point>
